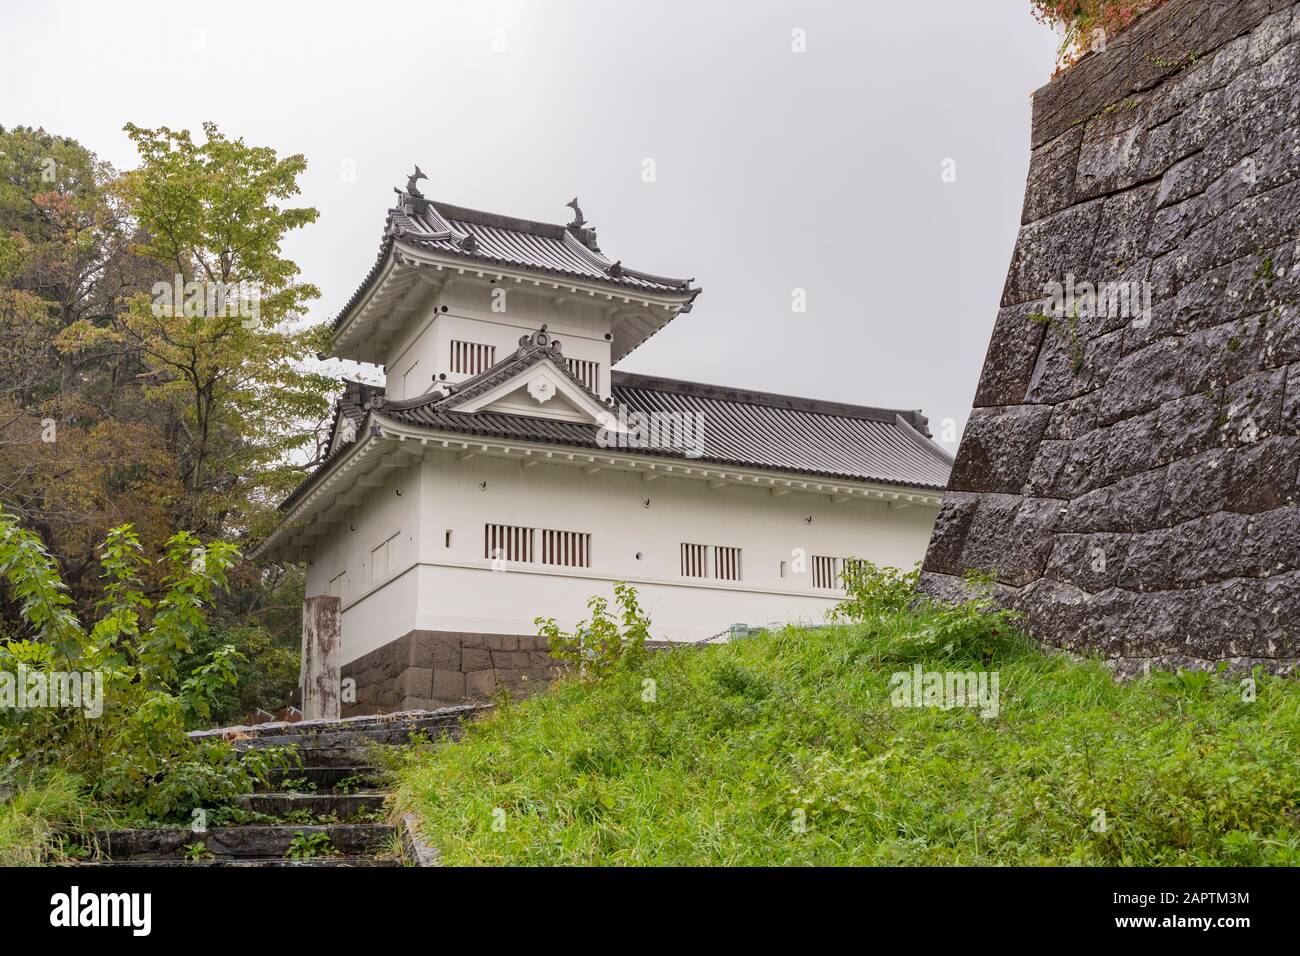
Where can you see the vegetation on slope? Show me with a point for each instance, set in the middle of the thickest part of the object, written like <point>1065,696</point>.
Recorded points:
<point>93,711</point>
<point>44,820</point>
<point>786,749</point>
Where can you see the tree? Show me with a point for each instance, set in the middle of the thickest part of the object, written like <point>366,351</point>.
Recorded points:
<point>79,451</point>
<point>230,355</point>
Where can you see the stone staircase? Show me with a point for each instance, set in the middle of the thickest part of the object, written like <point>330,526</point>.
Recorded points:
<point>332,809</point>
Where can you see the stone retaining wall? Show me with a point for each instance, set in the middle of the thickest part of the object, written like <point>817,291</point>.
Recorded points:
<point>425,670</point>
<point>1132,478</point>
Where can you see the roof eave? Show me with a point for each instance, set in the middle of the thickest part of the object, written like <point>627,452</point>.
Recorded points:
<point>664,465</point>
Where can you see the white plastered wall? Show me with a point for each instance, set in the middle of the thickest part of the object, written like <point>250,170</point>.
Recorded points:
<point>433,586</point>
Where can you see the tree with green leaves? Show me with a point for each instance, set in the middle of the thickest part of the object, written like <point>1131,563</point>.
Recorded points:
<point>241,386</point>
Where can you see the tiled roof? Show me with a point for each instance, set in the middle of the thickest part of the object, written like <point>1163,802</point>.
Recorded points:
<point>741,428</point>
<point>536,245</point>
<point>483,237</point>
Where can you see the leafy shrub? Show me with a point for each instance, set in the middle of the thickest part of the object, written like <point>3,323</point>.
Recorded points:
<point>600,644</point>
<point>136,753</point>
<point>906,625</point>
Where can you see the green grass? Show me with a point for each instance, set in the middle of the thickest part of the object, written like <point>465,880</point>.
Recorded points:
<point>37,820</point>
<point>742,736</point>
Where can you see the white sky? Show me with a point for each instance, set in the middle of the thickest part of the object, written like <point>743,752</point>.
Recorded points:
<point>775,170</point>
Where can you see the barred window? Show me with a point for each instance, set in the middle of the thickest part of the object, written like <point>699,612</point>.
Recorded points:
<point>470,358</point>
<point>570,549</point>
<point>726,563</point>
<point>834,573</point>
<point>695,560</point>
<point>588,373</point>
<point>826,571</point>
<point>507,542</point>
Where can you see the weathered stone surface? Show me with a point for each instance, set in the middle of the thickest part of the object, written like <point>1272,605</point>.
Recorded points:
<point>1127,505</point>
<point>1050,249</point>
<point>999,446</point>
<point>1005,537</point>
<point>1132,476</point>
<point>1263,476</point>
<point>1009,365</point>
<point>950,531</point>
<point>1050,187</point>
<point>430,669</point>
<point>480,684</point>
<point>1148,55</point>
<point>448,685</point>
<point>417,682</point>
<point>321,638</point>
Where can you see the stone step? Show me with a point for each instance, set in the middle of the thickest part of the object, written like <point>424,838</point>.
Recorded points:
<point>167,844</point>
<point>326,778</point>
<point>335,756</point>
<point>282,803</point>
<point>395,735</point>
<point>385,728</point>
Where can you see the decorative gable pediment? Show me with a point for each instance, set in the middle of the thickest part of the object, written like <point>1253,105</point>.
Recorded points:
<point>542,389</point>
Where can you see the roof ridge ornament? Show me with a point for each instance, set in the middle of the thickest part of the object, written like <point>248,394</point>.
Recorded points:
<point>412,201</point>
<point>539,341</point>
<point>578,220</point>
<point>412,189</point>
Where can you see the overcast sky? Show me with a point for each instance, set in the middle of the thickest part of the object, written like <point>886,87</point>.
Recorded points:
<point>774,170</point>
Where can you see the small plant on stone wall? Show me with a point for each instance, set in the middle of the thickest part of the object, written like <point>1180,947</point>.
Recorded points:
<point>598,645</point>
<point>305,847</point>
<point>196,852</point>
<point>1070,331</point>
<point>350,784</point>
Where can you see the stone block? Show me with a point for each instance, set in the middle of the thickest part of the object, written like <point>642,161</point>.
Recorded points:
<point>415,682</point>
<point>480,684</point>
<point>998,449</point>
<point>475,658</point>
<point>950,531</point>
<point>448,685</point>
<point>1263,476</point>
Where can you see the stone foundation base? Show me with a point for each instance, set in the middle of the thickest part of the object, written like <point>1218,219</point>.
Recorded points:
<point>424,670</point>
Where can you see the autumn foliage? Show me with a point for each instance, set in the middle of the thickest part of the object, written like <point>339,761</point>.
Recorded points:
<point>1087,25</point>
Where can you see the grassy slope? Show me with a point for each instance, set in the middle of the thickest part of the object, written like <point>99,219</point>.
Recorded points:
<point>742,735</point>
<point>36,817</point>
